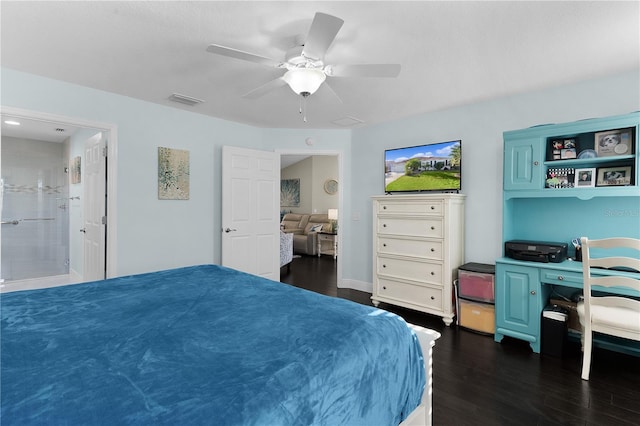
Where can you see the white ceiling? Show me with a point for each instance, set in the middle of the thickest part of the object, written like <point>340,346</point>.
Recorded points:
<point>452,53</point>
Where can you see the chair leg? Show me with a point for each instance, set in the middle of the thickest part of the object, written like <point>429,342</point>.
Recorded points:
<point>586,356</point>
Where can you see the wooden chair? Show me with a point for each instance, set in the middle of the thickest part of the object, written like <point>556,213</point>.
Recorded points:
<point>612,315</point>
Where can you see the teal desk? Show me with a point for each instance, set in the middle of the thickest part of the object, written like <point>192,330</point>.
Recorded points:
<point>523,289</point>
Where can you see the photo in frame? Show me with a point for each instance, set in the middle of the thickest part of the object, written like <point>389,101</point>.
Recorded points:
<point>562,149</point>
<point>585,178</point>
<point>614,176</point>
<point>613,143</point>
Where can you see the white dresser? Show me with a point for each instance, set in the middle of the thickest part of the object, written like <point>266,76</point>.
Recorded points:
<point>418,244</point>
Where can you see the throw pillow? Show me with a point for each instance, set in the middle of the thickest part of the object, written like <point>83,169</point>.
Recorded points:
<point>316,228</point>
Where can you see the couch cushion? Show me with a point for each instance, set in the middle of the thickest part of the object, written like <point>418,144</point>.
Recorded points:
<point>292,221</point>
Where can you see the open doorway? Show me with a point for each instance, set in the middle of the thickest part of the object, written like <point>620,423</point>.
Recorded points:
<point>316,177</point>
<point>43,200</point>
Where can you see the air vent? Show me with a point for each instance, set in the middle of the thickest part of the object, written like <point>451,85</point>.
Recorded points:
<point>186,100</point>
<point>347,121</point>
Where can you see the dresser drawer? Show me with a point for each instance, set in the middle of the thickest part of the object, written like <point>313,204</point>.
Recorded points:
<point>424,272</point>
<point>410,293</point>
<point>430,228</point>
<point>569,279</point>
<point>426,249</point>
<point>410,207</point>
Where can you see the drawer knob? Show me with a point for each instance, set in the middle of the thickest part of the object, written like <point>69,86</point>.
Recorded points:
<point>384,207</point>
<point>433,298</point>
<point>384,266</point>
<point>535,163</point>
<point>433,208</point>
<point>384,244</point>
<point>560,278</point>
<point>384,288</point>
<point>432,249</point>
<point>533,292</point>
<point>384,225</point>
<point>433,227</point>
<point>432,273</point>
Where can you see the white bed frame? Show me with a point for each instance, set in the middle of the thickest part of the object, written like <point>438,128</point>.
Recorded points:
<point>421,416</point>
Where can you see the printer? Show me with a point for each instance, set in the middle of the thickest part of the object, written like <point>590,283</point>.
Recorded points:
<point>536,251</point>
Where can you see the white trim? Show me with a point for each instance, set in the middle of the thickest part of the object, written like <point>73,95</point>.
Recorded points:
<point>356,285</point>
<point>111,131</point>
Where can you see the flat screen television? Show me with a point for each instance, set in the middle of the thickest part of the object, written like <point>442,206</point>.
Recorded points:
<point>429,167</point>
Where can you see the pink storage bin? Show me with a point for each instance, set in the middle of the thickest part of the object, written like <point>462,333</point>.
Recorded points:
<point>476,285</point>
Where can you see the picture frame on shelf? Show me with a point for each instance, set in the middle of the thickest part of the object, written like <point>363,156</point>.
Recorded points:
<point>613,143</point>
<point>562,148</point>
<point>614,176</point>
<point>585,178</point>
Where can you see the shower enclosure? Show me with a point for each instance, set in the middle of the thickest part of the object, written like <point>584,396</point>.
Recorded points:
<point>34,204</point>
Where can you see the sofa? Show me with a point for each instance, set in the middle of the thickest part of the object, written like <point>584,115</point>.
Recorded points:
<point>304,228</point>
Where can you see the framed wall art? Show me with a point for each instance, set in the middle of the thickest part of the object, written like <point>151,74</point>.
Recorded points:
<point>76,170</point>
<point>173,174</point>
<point>290,193</point>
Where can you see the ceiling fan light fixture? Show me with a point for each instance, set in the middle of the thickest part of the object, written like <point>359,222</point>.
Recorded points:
<point>304,81</point>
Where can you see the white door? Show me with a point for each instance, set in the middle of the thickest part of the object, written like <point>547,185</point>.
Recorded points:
<point>95,163</point>
<point>250,206</point>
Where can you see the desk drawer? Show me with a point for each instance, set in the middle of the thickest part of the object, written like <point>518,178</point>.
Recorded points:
<point>565,278</point>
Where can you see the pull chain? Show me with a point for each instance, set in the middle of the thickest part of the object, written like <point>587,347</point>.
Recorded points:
<point>303,105</point>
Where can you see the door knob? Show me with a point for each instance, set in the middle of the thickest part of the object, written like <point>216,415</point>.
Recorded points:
<point>227,230</point>
<point>83,230</point>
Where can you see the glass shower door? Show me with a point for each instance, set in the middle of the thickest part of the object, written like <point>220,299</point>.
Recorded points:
<point>34,207</point>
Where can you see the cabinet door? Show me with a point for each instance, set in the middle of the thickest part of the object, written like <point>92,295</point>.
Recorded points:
<point>517,295</point>
<point>523,164</point>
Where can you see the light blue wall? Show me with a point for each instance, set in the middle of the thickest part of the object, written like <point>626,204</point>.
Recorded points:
<point>154,234</point>
<point>480,127</point>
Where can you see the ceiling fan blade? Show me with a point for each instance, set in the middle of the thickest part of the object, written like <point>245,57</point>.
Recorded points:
<point>262,90</point>
<point>323,31</point>
<point>364,70</point>
<point>330,89</point>
<point>239,54</point>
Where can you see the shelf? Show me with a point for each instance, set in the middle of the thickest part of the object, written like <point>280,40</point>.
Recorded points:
<point>574,162</point>
<point>580,193</point>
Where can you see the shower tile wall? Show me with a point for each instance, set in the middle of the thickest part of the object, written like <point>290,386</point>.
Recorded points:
<point>35,194</point>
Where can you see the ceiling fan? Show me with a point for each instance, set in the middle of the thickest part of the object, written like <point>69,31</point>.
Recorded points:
<point>304,64</point>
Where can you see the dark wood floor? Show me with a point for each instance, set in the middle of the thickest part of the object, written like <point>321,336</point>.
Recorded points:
<point>479,382</point>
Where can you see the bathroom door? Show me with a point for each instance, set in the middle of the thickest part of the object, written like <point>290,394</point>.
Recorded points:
<point>34,208</point>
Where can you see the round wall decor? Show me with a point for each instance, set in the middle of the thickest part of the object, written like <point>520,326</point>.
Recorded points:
<point>331,186</point>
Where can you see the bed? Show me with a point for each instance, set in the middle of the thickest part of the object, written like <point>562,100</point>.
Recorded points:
<point>207,345</point>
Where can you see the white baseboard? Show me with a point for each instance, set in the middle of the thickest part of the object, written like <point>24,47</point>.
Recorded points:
<point>356,285</point>
<point>75,276</point>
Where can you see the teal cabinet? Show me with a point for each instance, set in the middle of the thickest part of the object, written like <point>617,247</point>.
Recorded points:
<point>603,202</point>
<point>519,296</point>
<point>523,164</point>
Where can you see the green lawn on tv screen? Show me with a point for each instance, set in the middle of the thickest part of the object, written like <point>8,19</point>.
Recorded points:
<point>430,179</point>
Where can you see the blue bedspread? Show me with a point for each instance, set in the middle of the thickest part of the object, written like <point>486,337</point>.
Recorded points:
<point>202,345</point>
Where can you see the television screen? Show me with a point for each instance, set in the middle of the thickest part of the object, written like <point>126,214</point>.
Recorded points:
<point>430,167</point>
